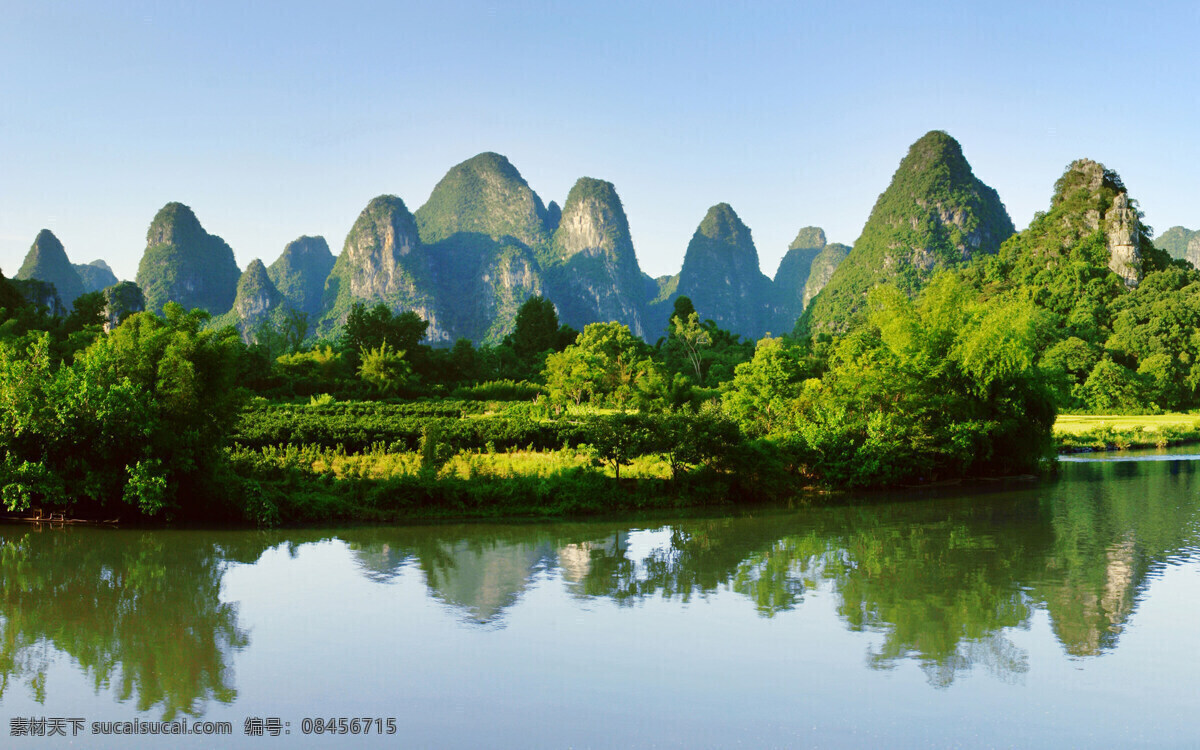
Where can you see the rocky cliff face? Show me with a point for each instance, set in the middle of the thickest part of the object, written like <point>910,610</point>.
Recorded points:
<point>721,276</point>
<point>822,269</point>
<point>383,260</point>
<point>47,261</point>
<point>96,276</point>
<point>1192,255</point>
<point>594,274</point>
<point>185,264</point>
<point>792,275</point>
<point>122,300</point>
<point>300,273</point>
<point>486,233</point>
<point>1124,246</point>
<point>934,214</point>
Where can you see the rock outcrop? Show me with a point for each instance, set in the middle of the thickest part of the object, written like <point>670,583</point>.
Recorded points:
<point>934,214</point>
<point>185,264</point>
<point>594,274</point>
<point>1089,198</point>
<point>47,261</point>
<point>383,261</point>
<point>1124,248</point>
<point>486,233</point>
<point>1092,229</point>
<point>122,300</point>
<point>722,277</point>
<point>96,276</point>
<point>1192,255</point>
<point>300,273</point>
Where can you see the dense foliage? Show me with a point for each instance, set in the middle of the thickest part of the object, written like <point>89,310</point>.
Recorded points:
<point>934,214</point>
<point>136,422</point>
<point>947,360</point>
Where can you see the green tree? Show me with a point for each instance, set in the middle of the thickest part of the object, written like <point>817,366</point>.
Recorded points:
<point>1112,388</point>
<point>571,375</point>
<point>762,396</point>
<point>692,338</point>
<point>385,368</point>
<point>369,328</point>
<point>604,362</point>
<point>138,422</point>
<point>617,439</point>
<point>535,328</point>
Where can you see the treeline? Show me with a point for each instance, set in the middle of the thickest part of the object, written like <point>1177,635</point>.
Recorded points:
<point>171,415</point>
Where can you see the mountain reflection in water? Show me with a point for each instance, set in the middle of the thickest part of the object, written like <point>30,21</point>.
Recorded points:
<point>940,581</point>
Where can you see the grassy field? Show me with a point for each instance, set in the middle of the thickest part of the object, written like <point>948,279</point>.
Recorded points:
<point>1074,424</point>
<point>1082,432</point>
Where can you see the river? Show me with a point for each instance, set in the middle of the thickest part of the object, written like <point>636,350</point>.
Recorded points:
<point>1056,613</point>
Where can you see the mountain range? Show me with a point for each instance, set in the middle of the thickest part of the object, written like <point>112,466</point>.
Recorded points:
<point>485,241</point>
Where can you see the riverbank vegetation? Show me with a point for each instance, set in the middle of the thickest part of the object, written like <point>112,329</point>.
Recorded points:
<point>172,416</point>
<point>1087,432</point>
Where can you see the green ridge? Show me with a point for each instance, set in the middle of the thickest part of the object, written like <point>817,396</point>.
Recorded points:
<point>47,261</point>
<point>300,273</point>
<point>934,214</point>
<point>96,276</point>
<point>185,264</point>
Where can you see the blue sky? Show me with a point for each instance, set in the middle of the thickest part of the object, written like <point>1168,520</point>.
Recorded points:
<point>274,120</point>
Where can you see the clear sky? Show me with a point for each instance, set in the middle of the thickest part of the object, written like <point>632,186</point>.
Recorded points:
<point>273,120</point>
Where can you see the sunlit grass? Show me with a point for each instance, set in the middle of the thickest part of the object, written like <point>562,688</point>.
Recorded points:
<point>1073,432</point>
<point>1075,424</point>
<point>379,463</point>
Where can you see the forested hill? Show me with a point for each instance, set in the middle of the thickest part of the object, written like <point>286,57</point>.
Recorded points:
<point>1118,315</point>
<point>485,241</point>
<point>935,214</point>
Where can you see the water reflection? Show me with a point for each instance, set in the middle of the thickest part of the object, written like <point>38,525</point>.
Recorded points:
<point>139,614</point>
<point>942,582</point>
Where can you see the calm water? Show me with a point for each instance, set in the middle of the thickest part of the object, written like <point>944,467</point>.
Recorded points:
<point>1064,613</point>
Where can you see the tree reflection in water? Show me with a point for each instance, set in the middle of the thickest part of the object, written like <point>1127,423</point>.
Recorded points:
<point>138,613</point>
<point>940,580</point>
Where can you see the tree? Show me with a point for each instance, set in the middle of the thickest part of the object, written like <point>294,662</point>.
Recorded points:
<point>692,337</point>
<point>537,332</point>
<point>571,375</point>
<point>681,309</point>
<point>1113,388</point>
<point>137,423</point>
<point>535,329</point>
<point>617,439</point>
<point>385,368</point>
<point>761,397</point>
<point>370,328</point>
<point>604,362</point>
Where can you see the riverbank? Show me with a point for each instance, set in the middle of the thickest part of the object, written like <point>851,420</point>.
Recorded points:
<point>290,486</point>
<point>1079,433</point>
